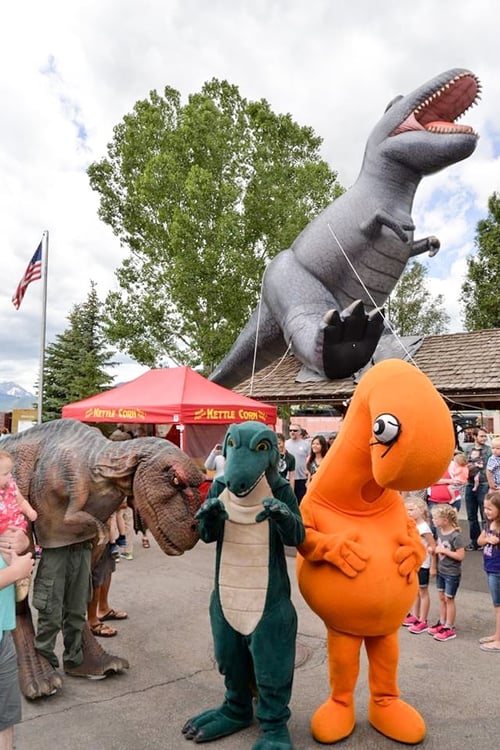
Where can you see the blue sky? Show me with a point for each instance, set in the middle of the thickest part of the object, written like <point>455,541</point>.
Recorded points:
<point>71,71</point>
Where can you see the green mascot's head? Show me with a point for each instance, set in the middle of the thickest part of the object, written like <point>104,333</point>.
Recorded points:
<point>250,450</point>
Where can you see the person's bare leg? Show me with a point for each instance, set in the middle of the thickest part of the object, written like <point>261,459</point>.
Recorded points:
<point>97,627</point>
<point>92,607</point>
<point>102,600</point>
<point>451,612</point>
<point>425,603</point>
<point>104,610</point>
<point>7,739</point>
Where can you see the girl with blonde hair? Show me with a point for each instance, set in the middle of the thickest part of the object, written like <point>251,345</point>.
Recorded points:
<point>417,620</point>
<point>450,552</point>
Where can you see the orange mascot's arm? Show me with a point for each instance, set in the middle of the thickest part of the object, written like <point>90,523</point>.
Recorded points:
<point>341,550</point>
<point>411,553</point>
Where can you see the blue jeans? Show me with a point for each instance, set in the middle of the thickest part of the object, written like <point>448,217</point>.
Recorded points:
<point>474,502</point>
<point>448,585</point>
<point>494,587</point>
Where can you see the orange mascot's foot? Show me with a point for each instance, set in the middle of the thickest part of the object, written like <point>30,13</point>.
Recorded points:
<point>332,722</point>
<point>397,720</point>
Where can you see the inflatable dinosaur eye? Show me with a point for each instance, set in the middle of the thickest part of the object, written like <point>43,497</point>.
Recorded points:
<point>230,442</point>
<point>262,445</point>
<point>386,428</point>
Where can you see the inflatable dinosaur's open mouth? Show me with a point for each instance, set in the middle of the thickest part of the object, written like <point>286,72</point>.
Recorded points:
<point>439,110</point>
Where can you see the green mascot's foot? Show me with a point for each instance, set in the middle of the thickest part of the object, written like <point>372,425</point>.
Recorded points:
<point>397,720</point>
<point>214,723</point>
<point>332,722</point>
<point>274,739</point>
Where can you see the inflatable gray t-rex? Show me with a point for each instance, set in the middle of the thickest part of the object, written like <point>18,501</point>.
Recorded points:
<point>321,296</point>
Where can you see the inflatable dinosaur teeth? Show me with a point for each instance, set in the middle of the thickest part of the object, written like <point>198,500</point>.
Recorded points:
<point>347,261</point>
<point>443,106</point>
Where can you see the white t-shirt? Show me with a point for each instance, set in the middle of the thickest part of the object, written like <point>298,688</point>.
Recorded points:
<point>424,528</point>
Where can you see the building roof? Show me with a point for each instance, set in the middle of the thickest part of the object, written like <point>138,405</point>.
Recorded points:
<point>464,367</point>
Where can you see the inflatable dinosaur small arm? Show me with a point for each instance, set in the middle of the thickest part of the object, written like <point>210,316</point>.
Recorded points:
<point>357,566</point>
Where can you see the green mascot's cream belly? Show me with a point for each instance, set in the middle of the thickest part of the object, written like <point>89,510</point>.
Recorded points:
<point>244,561</point>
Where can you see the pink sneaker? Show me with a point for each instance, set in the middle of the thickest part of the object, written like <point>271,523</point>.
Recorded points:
<point>445,634</point>
<point>410,620</point>
<point>434,629</point>
<point>419,627</point>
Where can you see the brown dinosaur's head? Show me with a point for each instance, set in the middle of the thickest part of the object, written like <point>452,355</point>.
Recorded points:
<point>166,493</point>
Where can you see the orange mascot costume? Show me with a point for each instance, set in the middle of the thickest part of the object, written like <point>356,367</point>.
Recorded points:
<point>357,567</point>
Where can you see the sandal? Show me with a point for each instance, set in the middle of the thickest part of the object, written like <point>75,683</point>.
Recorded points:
<point>487,639</point>
<point>103,631</point>
<point>145,543</point>
<point>113,615</point>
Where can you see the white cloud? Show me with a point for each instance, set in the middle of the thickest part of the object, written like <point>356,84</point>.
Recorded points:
<point>72,70</point>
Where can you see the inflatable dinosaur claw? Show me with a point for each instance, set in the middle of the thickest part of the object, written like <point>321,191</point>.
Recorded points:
<point>350,338</point>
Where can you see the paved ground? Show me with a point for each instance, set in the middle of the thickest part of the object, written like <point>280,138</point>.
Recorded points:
<point>172,676</point>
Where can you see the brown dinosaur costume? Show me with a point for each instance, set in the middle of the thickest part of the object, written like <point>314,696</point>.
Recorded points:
<point>75,478</point>
<point>359,560</point>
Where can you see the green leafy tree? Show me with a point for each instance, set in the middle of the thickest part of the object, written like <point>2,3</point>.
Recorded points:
<point>74,363</point>
<point>202,195</point>
<point>411,307</point>
<point>481,288</point>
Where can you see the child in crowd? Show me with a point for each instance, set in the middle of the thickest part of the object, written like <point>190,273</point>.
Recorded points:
<point>19,567</point>
<point>450,552</point>
<point>459,472</point>
<point>489,539</point>
<point>416,621</point>
<point>493,465</point>
<point>475,468</point>
<point>13,509</point>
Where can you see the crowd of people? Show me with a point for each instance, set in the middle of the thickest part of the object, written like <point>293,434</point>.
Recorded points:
<point>473,477</point>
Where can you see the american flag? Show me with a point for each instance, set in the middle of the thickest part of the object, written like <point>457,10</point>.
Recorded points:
<point>32,273</point>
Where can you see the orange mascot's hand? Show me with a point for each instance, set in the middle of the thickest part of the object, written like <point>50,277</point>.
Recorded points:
<point>409,555</point>
<point>341,550</point>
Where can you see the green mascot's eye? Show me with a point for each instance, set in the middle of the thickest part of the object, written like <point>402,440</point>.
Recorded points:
<point>262,446</point>
<point>230,442</point>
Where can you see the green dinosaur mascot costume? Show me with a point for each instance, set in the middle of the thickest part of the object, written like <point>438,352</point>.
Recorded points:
<point>251,513</point>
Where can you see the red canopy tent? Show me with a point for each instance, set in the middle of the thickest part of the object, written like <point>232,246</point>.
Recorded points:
<point>174,397</point>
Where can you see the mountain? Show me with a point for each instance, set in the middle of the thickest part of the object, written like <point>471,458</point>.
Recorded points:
<point>12,396</point>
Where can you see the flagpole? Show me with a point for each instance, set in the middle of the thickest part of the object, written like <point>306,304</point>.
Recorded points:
<point>43,324</point>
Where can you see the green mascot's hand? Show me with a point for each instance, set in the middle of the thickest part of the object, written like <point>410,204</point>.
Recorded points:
<point>211,518</point>
<point>212,510</point>
<point>274,510</point>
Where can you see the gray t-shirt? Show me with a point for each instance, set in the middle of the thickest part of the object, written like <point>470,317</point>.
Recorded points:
<point>300,450</point>
<point>446,565</point>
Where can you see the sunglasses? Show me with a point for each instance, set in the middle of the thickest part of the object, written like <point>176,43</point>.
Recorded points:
<point>291,430</point>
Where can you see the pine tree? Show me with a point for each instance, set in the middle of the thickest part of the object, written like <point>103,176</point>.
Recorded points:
<point>75,361</point>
